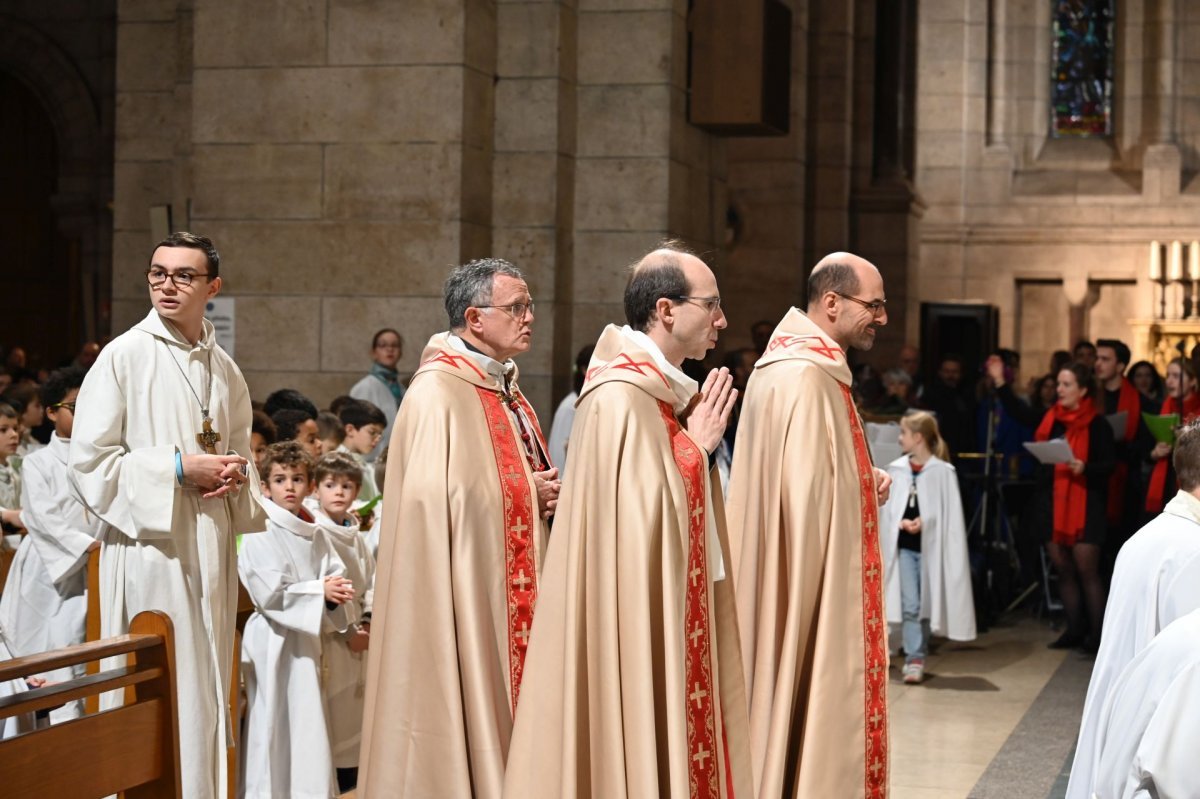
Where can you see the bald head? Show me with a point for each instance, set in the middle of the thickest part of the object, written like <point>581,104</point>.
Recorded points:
<point>672,297</point>
<point>841,273</point>
<point>846,299</point>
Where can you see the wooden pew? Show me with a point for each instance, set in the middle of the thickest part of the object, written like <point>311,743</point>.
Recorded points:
<point>245,608</point>
<point>134,748</point>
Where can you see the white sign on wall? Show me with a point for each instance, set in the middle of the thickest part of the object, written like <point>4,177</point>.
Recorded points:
<point>220,311</point>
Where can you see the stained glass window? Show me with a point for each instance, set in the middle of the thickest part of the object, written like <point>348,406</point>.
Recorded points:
<point>1081,86</point>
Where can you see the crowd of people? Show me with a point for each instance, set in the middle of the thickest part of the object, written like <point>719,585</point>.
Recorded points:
<point>691,582</point>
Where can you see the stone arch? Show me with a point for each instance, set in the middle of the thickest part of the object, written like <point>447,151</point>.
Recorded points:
<point>80,201</point>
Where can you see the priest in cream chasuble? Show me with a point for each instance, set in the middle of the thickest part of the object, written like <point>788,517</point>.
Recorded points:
<point>804,528</point>
<point>468,485</point>
<point>634,679</point>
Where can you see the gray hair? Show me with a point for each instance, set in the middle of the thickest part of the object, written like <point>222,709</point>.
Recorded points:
<point>470,285</point>
<point>897,376</point>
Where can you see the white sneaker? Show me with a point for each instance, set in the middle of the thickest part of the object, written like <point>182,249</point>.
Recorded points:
<point>914,671</point>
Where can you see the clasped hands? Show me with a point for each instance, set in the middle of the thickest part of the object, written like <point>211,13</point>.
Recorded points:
<point>216,475</point>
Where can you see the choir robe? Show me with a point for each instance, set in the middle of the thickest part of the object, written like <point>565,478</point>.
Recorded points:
<point>44,604</point>
<point>634,654</point>
<point>1156,580</point>
<point>803,519</point>
<point>285,751</point>
<point>946,598</point>
<point>166,547</point>
<point>345,671</point>
<point>460,550</point>
<point>1150,723</point>
<point>21,723</point>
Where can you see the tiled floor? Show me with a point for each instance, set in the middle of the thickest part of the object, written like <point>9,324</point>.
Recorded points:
<point>947,730</point>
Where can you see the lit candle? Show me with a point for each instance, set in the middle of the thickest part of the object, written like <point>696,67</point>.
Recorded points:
<point>1194,260</point>
<point>1156,262</point>
<point>1175,264</point>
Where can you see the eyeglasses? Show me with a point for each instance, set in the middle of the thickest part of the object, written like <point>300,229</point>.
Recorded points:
<point>181,280</point>
<point>516,310</point>
<point>877,308</point>
<point>711,304</point>
<point>70,406</point>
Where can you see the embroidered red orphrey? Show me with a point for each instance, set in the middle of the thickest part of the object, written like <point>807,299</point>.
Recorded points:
<point>520,519</point>
<point>703,770</point>
<point>874,636</point>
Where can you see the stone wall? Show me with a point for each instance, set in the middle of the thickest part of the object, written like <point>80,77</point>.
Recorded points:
<point>344,154</point>
<point>1010,209</point>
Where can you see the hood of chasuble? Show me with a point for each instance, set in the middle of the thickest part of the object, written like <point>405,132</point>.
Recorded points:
<point>798,337</point>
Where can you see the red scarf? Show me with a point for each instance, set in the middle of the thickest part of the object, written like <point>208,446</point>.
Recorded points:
<point>1158,478</point>
<point>1070,490</point>
<point>1128,402</point>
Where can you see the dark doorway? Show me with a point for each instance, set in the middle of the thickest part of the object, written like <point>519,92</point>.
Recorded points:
<point>39,269</point>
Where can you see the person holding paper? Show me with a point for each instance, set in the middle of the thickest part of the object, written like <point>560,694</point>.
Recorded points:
<point>1124,406</point>
<point>1071,498</point>
<point>1182,401</point>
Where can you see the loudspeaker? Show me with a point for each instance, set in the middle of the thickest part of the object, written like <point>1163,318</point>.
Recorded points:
<point>740,67</point>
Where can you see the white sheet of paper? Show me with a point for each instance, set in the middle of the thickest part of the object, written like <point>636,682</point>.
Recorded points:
<point>883,433</point>
<point>1054,451</point>
<point>1118,421</point>
<point>883,453</point>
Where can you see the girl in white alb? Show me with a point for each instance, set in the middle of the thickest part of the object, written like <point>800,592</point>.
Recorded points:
<point>923,541</point>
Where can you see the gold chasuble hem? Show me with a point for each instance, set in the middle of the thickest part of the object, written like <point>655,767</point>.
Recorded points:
<point>874,643</point>
<point>520,574</point>
<point>701,714</point>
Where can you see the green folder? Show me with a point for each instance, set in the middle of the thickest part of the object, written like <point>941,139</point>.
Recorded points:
<point>1162,427</point>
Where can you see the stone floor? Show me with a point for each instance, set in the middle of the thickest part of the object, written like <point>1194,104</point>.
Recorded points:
<point>995,718</point>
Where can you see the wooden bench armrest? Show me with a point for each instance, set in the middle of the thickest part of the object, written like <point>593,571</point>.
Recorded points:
<point>18,668</point>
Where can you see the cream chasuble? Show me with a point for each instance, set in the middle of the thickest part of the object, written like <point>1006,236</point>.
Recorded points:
<point>634,681</point>
<point>167,548</point>
<point>803,520</point>
<point>460,551</point>
<point>1156,580</point>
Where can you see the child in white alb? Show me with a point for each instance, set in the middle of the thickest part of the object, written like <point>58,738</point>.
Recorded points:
<point>338,478</point>
<point>299,593</point>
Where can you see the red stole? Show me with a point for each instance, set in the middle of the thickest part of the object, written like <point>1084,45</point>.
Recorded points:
<point>1158,478</point>
<point>520,520</point>
<point>875,656</point>
<point>1070,490</point>
<point>703,771</point>
<point>1129,403</point>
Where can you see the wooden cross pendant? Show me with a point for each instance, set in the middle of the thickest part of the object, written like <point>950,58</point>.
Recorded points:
<point>208,437</point>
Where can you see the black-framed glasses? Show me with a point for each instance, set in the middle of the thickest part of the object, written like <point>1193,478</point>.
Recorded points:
<point>70,406</point>
<point>516,310</point>
<point>877,308</point>
<point>157,277</point>
<point>711,304</point>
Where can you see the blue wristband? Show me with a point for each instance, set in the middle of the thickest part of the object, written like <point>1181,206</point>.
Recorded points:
<point>179,467</point>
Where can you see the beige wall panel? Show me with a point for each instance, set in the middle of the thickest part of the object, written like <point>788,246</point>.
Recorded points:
<point>299,105</point>
<point>527,114</point>
<point>278,333</point>
<point>235,33</point>
<point>1043,325</point>
<point>419,181</point>
<point>145,128</point>
<point>343,258</point>
<point>146,56</point>
<point>525,189</point>
<point>625,47</point>
<point>137,186</point>
<point>257,181</point>
<point>626,121</point>
<point>390,32</point>
<point>621,194</point>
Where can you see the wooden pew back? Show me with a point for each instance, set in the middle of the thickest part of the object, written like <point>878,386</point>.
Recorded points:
<point>134,748</point>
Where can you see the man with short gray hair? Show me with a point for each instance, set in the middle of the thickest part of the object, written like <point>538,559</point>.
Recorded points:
<point>469,486</point>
